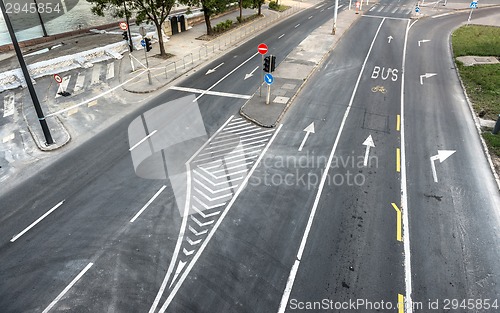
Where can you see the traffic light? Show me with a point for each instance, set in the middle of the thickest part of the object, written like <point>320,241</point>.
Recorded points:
<point>267,64</point>
<point>148,44</point>
<point>125,35</point>
<point>273,63</point>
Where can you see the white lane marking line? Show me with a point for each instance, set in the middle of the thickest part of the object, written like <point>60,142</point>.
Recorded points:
<point>319,6</point>
<point>295,267</point>
<point>210,198</point>
<point>394,10</point>
<point>8,138</point>
<point>239,153</point>
<point>200,224</point>
<point>237,123</point>
<point>379,9</point>
<point>178,245</point>
<point>110,71</point>
<point>214,229</point>
<point>53,303</point>
<point>225,76</point>
<point>197,233</point>
<point>63,85</point>
<point>210,190</point>
<point>94,98</point>
<point>331,7</point>
<point>404,192</point>
<point>322,10</point>
<point>211,93</point>
<point>79,83</point>
<point>217,184</point>
<point>310,17</point>
<point>340,6</point>
<point>239,146</point>
<point>255,135</point>
<point>386,17</point>
<point>204,215</point>
<point>148,203</point>
<point>142,140</point>
<point>297,25</point>
<point>8,105</point>
<point>226,163</point>
<point>281,36</point>
<point>441,15</point>
<point>36,222</point>
<point>237,127</point>
<point>255,131</point>
<point>96,73</point>
<point>371,9</point>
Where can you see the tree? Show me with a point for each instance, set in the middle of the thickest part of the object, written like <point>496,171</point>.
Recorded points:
<point>209,7</point>
<point>155,11</point>
<point>253,4</point>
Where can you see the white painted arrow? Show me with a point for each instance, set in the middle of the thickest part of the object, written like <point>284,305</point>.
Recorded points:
<point>210,71</point>
<point>423,41</point>
<point>193,243</point>
<point>309,129</point>
<point>251,73</point>
<point>390,38</point>
<point>186,252</point>
<point>197,233</point>
<point>368,143</point>
<point>426,75</point>
<point>441,156</point>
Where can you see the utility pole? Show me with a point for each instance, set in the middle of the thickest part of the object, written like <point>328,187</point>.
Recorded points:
<point>41,21</point>
<point>334,30</point>
<point>130,45</point>
<point>31,89</point>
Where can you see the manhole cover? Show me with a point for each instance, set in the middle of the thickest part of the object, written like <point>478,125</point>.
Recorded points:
<point>282,100</point>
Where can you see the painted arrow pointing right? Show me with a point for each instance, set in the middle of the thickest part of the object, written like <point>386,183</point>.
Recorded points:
<point>426,75</point>
<point>441,156</point>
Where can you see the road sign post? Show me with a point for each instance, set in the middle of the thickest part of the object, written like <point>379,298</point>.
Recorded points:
<point>262,49</point>
<point>472,6</point>
<point>269,79</point>
<point>144,45</point>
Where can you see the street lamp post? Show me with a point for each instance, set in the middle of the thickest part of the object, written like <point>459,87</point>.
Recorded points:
<point>29,84</point>
<point>334,30</point>
<point>41,21</point>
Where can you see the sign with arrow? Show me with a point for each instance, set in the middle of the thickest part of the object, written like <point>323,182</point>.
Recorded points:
<point>251,73</point>
<point>389,39</point>
<point>473,5</point>
<point>417,9</point>
<point>423,41</point>
<point>369,144</point>
<point>426,75</point>
<point>210,71</point>
<point>309,129</point>
<point>268,78</point>
<point>441,156</point>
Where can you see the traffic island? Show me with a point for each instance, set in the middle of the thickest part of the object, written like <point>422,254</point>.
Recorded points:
<point>291,74</point>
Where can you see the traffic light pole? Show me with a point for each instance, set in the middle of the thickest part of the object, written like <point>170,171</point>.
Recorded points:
<point>147,63</point>
<point>261,77</point>
<point>130,45</point>
<point>29,84</point>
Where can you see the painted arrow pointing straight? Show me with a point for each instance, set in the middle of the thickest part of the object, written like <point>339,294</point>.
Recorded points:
<point>441,156</point>
<point>368,143</point>
<point>426,75</point>
<point>251,73</point>
<point>309,129</point>
<point>210,71</point>
<point>390,38</point>
<point>423,41</point>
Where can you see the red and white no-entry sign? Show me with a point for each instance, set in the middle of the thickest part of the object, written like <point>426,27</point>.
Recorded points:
<point>58,78</point>
<point>123,26</point>
<point>262,48</point>
<point>357,5</point>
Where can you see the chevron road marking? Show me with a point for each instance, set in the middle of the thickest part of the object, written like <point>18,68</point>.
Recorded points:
<point>205,215</point>
<point>188,253</point>
<point>197,233</point>
<point>214,191</point>
<point>208,207</point>
<point>212,199</point>
<point>193,243</point>
<point>200,223</point>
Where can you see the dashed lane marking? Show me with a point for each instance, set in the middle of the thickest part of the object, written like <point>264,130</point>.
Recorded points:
<point>110,71</point>
<point>281,36</point>
<point>80,80</point>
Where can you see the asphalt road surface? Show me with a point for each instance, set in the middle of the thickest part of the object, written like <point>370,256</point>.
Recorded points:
<point>264,227</point>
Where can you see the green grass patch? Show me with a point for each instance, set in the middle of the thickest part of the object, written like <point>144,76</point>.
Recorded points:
<point>493,142</point>
<point>482,83</point>
<point>273,5</point>
<point>476,40</point>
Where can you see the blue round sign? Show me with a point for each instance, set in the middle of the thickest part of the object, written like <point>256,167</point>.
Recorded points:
<point>417,9</point>
<point>143,43</point>
<point>268,78</point>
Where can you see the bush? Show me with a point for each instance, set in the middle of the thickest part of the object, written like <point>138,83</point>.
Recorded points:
<point>273,5</point>
<point>222,26</point>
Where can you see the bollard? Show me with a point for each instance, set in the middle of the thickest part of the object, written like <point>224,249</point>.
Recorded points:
<point>497,126</point>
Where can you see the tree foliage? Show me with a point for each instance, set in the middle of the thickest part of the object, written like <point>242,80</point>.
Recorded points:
<point>210,8</point>
<point>155,11</point>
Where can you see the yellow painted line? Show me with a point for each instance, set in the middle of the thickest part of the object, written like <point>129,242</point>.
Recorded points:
<point>398,122</point>
<point>398,160</point>
<point>72,111</point>
<point>401,303</point>
<point>398,222</point>
<point>92,103</point>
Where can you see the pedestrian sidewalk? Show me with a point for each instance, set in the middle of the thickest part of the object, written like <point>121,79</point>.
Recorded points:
<point>292,74</point>
<point>190,52</point>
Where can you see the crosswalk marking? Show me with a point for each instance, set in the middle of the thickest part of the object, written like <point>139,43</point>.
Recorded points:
<point>63,86</point>
<point>96,73</point>
<point>8,138</point>
<point>79,83</point>
<point>8,105</point>
<point>110,71</point>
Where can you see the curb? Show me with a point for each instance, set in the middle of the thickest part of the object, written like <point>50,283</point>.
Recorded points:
<point>486,151</point>
<point>215,56</point>
<point>320,63</point>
